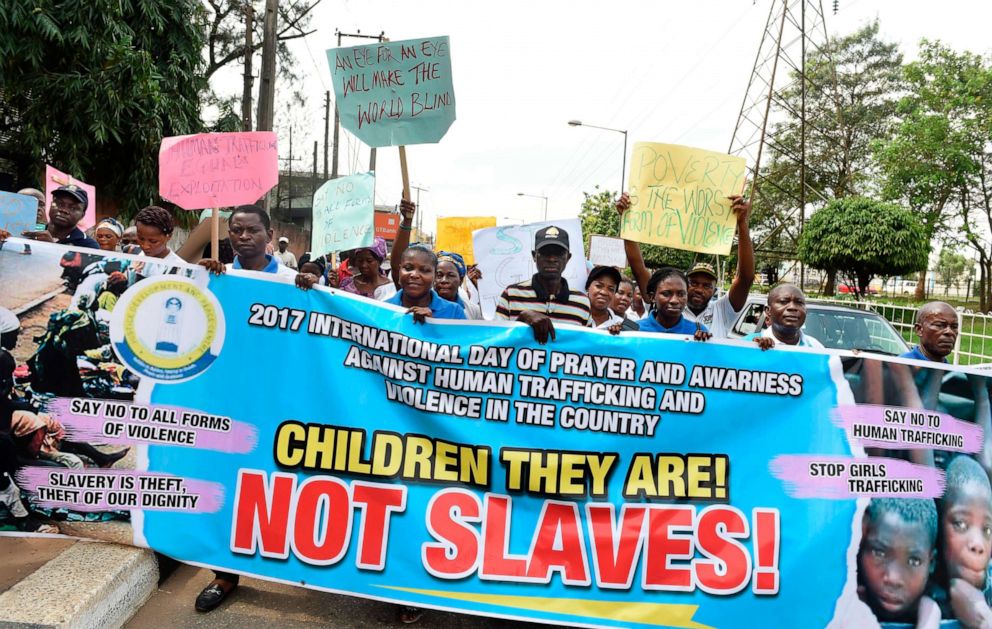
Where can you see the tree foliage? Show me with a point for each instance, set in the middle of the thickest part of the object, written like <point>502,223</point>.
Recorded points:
<point>91,88</point>
<point>951,267</point>
<point>863,238</point>
<point>599,216</point>
<point>226,43</point>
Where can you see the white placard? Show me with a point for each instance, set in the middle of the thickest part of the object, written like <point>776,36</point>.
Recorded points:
<point>504,257</point>
<point>606,251</point>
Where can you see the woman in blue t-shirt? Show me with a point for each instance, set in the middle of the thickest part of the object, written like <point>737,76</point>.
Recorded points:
<point>416,293</point>
<point>668,289</point>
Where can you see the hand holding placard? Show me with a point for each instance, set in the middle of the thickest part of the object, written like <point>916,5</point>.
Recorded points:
<point>680,197</point>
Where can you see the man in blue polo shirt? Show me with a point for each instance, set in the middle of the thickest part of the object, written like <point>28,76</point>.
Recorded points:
<point>937,327</point>
<point>68,208</point>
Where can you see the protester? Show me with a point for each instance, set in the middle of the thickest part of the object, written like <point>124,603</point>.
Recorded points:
<point>417,269</point>
<point>546,297</point>
<point>155,226</point>
<point>601,288</point>
<point>69,205</point>
<point>286,257</point>
<point>937,328</point>
<point>108,234</point>
<point>897,555</point>
<point>624,299</point>
<point>250,231</point>
<point>129,237</point>
<point>668,285</point>
<point>451,271</point>
<point>637,309</point>
<point>368,278</point>
<point>718,316</point>
<point>784,317</point>
<point>314,267</point>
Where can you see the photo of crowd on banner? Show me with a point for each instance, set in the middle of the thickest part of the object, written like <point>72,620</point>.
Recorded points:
<point>64,351</point>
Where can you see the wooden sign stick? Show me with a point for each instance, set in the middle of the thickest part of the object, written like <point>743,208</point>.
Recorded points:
<point>215,233</point>
<point>406,175</point>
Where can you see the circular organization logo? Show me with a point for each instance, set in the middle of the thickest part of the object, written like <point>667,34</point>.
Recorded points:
<point>167,328</point>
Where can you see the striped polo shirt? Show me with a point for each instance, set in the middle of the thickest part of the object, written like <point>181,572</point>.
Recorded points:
<point>568,306</point>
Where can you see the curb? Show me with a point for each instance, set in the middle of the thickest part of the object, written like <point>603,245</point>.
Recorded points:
<point>37,301</point>
<point>90,585</point>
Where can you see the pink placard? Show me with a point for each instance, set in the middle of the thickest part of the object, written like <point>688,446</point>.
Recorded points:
<point>55,178</point>
<point>217,169</point>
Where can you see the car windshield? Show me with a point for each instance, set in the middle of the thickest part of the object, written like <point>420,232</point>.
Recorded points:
<point>853,330</point>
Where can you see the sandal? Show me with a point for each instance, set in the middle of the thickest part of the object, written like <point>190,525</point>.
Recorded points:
<point>409,615</point>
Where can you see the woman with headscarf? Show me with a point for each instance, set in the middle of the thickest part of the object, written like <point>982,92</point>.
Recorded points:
<point>451,271</point>
<point>108,233</point>
<point>368,279</point>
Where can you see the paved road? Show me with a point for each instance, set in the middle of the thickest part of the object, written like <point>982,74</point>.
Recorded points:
<point>24,555</point>
<point>262,604</point>
<point>13,263</point>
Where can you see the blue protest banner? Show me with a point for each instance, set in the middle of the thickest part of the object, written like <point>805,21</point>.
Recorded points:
<point>395,93</point>
<point>638,480</point>
<point>344,214</point>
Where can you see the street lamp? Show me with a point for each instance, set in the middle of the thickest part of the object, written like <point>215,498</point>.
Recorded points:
<point>537,196</point>
<point>623,170</point>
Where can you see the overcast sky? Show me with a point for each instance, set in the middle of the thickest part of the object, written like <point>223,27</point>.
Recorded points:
<point>665,71</point>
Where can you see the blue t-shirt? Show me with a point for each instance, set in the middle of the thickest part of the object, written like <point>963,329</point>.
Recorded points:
<point>440,308</point>
<point>918,354</point>
<point>684,326</point>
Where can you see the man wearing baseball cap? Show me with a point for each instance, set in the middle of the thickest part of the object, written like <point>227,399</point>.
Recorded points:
<point>545,299</point>
<point>287,257</point>
<point>717,315</point>
<point>68,208</point>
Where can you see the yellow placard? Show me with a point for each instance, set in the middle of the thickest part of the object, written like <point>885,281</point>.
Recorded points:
<point>678,197</point>
<point>454,233</point>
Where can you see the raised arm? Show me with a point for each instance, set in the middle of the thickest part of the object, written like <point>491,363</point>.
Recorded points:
<point>633,251</point>
<point>407,210</point>
<point>744,279</point>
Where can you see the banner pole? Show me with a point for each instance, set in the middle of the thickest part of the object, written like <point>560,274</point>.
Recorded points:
<point>215,233</point>
<point>406,175</point>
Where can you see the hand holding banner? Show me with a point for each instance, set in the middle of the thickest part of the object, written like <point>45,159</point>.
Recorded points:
<point>343,214</point>
<point>679,197</point>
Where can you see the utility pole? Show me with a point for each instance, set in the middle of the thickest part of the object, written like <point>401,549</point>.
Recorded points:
<point>249,78</point>
<point>327,117</point>
<point>337,112</point>
<point>267,81</point>
<point>420,214</point>
<point>313,180</point>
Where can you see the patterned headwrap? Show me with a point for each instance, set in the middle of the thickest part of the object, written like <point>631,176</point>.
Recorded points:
<point>113,225</point>
<point>378,248</point>
<point>454,258</point>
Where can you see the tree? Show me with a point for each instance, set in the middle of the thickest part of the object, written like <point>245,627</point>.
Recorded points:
<point>951,266</point>
<point>599,216</point>
<point>851,88</point>
<point>226,42</point>
<point>934,161</point>
<point>91,88</point>
<point>862,238</point>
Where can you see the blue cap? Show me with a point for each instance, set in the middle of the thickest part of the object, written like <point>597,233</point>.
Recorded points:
<point>75,192</point>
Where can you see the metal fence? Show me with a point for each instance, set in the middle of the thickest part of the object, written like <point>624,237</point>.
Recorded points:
<point>974,344</point>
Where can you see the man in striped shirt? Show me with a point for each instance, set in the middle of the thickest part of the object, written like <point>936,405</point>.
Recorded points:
<point>545,298</point>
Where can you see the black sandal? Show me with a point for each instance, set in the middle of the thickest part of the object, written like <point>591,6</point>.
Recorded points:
<point>409,615</point>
